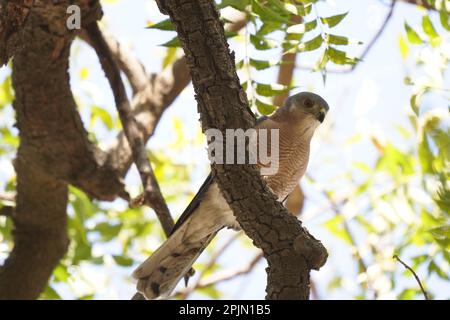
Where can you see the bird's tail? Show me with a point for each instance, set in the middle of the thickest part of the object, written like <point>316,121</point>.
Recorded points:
<point>160,273</point>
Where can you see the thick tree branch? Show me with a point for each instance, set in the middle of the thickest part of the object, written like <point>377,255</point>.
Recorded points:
<point>54,149</point>
<point>152,193</point>
<point>12,18</point>
<point>290,250</point>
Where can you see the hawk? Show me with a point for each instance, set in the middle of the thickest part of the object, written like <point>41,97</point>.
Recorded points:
<point>209,212</point>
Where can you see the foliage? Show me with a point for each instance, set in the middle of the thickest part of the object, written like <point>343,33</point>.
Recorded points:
<point>267,19</point>
<point>402,203</point>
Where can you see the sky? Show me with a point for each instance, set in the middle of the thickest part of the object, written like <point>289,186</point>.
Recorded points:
<point>369,99</point>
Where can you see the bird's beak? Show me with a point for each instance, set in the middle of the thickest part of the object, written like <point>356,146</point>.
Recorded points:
<point>321,115</point>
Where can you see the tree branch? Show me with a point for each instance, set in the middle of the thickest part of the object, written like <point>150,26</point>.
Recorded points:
<point>54,149</point>
<point>415,276</point>
<point>152,192</point>
<point>12,18</point>
<point>290,250</point>
<point>209,265</point>
<point>222,277</point>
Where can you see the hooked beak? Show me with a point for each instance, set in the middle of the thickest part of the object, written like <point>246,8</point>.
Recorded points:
<point>321,115</point>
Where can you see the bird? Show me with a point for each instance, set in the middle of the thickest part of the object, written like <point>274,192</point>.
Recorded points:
<point>208,212</point>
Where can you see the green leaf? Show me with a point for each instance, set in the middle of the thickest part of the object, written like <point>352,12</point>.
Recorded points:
<point>61,274</point>
<point>266,13</point>
<point>210,291</point>
<point>403,45</point>
<point>413,36</point>
<point>173,43</point>
<point>407,294</point>
<point>50,294</point>
<point>261,43</point>
<point>311,45</point>
<point>264,108</point>
<point>170,57</point>
<point>107,231</point>
<point>425,155</point>
<point>163,25</point>
<point>268,27</point>
<point>442,198</point>
<point>441,233</point>
<point>434,268</point>
<point>100,113</point>
<point>230,34</point>
<point>82,252</point>
<point>302,27</point>
<point>340,40</point>
<point>6,93</point>
<point>270,90</point>
<point>263,64</point>
<point>333,20</point>
<point>340,57</point>
<point>445,19</point>
<point>418,260</point>
<point>123,261</point>
<point>428,27</point>
<point>415,101</point>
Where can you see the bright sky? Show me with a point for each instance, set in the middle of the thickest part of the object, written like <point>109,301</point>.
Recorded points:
<point>372,97</point>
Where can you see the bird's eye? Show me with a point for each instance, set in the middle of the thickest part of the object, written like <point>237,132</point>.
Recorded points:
<point>308,103</point>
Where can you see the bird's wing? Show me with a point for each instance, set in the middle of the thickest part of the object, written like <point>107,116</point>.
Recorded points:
<point>201,192</point>
<point>194,202</point>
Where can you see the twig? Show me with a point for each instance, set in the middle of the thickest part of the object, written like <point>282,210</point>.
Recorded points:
<point>226,276</point>
<point>212,261</point>
<point>152,193</point>
<point>336,210</point>
<point>378,34</point>
<point>415,276</point>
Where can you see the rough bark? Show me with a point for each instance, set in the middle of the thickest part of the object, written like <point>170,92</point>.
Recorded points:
<point>291,252</point>
<point>54,149</point>
<point>12,17</point>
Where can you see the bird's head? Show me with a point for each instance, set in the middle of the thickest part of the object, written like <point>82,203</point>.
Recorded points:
<point>306,104</point>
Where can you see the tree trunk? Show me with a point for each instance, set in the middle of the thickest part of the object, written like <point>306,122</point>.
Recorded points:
<point>291,252</point>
